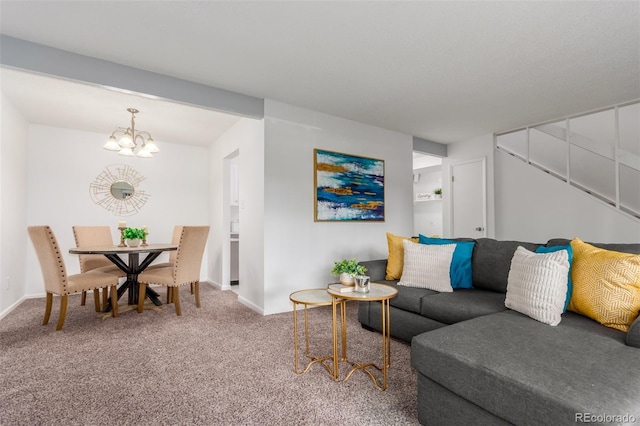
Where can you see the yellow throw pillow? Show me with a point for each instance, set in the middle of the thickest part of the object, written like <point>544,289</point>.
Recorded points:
<point>395,262</point>
<point>606,285</point>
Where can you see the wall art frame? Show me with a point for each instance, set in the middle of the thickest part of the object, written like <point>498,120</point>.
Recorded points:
<point>347,187</point>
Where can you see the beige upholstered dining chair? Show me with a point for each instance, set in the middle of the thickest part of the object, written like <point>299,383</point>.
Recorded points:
<point>56,280</point>
<point>175,239</point>
<point>94,236</point>
<point>185,270</point>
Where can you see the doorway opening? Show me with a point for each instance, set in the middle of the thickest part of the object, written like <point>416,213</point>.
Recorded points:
<point>427,195</point>
<point>231,279</point>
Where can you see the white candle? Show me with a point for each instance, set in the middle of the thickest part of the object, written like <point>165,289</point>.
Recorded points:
<point>122,224</point>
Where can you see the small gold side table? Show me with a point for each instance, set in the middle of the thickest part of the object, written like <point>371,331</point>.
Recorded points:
<point>377,292</point>
<point>310,297</point>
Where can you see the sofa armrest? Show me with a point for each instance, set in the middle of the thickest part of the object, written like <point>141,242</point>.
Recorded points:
<point>633,335</point>
<point>376,269</point>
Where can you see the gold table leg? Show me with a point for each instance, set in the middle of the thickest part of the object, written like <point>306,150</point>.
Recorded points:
<point>386,352</point>
<point>334,320</point>
<point>312,359</point>
<point>386,343</point>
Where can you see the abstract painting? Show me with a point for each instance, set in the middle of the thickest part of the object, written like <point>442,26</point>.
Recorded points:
<point>348,187</point>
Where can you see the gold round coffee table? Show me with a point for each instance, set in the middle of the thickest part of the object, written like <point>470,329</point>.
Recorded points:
<point>377,292</point>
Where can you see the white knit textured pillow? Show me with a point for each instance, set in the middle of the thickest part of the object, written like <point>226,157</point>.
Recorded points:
<point>537,284</point>
<point>427,266</point>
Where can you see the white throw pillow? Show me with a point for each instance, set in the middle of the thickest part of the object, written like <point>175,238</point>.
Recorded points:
<point>537,284</point>
<point>427,266</point>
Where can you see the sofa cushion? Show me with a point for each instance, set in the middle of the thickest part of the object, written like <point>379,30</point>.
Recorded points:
<point>526,372</point>
<point>376,269</point>
<point>460,269</point>
<point>633,248</point>
<point>461,305</point>
<point>491,262</point>
<point>395,260</point>
<point>606,285</point>
<point>538,284</point>
<point>427,266</point>
<point>633,335</point>
<point>404,324</point>
<point>408,298</point>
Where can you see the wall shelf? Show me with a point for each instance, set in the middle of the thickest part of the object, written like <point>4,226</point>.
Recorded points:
<point>426,201</point>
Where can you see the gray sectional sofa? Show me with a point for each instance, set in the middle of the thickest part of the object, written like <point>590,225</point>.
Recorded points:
<point>480,363</point>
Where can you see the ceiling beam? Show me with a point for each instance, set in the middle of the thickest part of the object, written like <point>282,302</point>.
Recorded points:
<point>21,54</point>
<point>429,147</point>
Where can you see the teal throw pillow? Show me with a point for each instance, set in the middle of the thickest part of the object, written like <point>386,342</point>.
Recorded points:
<point>460,269</point>
<point>545,249</point>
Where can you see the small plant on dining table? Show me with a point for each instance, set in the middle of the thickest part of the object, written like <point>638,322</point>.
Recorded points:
<point>133,233</point>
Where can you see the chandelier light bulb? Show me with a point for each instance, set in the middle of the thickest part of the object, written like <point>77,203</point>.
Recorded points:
<point>127,152</point>
<point>144,153</point>
<point>111,144</point>
<point>126,141</point>
<point>151,146</point>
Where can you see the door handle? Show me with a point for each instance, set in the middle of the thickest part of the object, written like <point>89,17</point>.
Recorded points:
<point>480,229</point>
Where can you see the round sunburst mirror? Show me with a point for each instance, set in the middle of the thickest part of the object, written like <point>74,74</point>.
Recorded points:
<point>117,189</point>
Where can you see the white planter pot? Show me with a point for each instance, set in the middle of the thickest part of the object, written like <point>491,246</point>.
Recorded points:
<point>133,243</point>
<point>346,279</point>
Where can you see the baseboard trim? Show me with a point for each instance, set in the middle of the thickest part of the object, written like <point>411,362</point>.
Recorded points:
<point>251,305</point>
<point>218,285</point>
<point>241,299</point>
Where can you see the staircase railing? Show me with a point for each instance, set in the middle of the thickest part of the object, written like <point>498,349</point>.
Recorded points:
<point>596,152</point>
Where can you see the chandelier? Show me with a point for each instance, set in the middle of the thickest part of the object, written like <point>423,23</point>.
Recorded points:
<point>132,142</point>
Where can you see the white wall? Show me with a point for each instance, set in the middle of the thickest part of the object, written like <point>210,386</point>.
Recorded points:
<point>246,138</point>
<point>533,206</point>
<point>14,133</point>
<point>63,162</point>
<point>298,252</point>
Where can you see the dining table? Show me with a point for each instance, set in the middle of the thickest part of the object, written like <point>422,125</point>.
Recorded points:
<point>133,267</point>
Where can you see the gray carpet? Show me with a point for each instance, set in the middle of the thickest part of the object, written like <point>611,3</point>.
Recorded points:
<point>221,364</point>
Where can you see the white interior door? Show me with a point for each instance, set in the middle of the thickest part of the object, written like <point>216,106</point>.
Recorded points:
<point>468,199</point>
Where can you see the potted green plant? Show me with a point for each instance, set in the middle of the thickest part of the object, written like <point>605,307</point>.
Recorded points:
<point>438,192</point>
<point>347,269</point>
<point>134,235</point>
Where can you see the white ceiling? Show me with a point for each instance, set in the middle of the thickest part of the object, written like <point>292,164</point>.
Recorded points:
<point>444,71</point>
